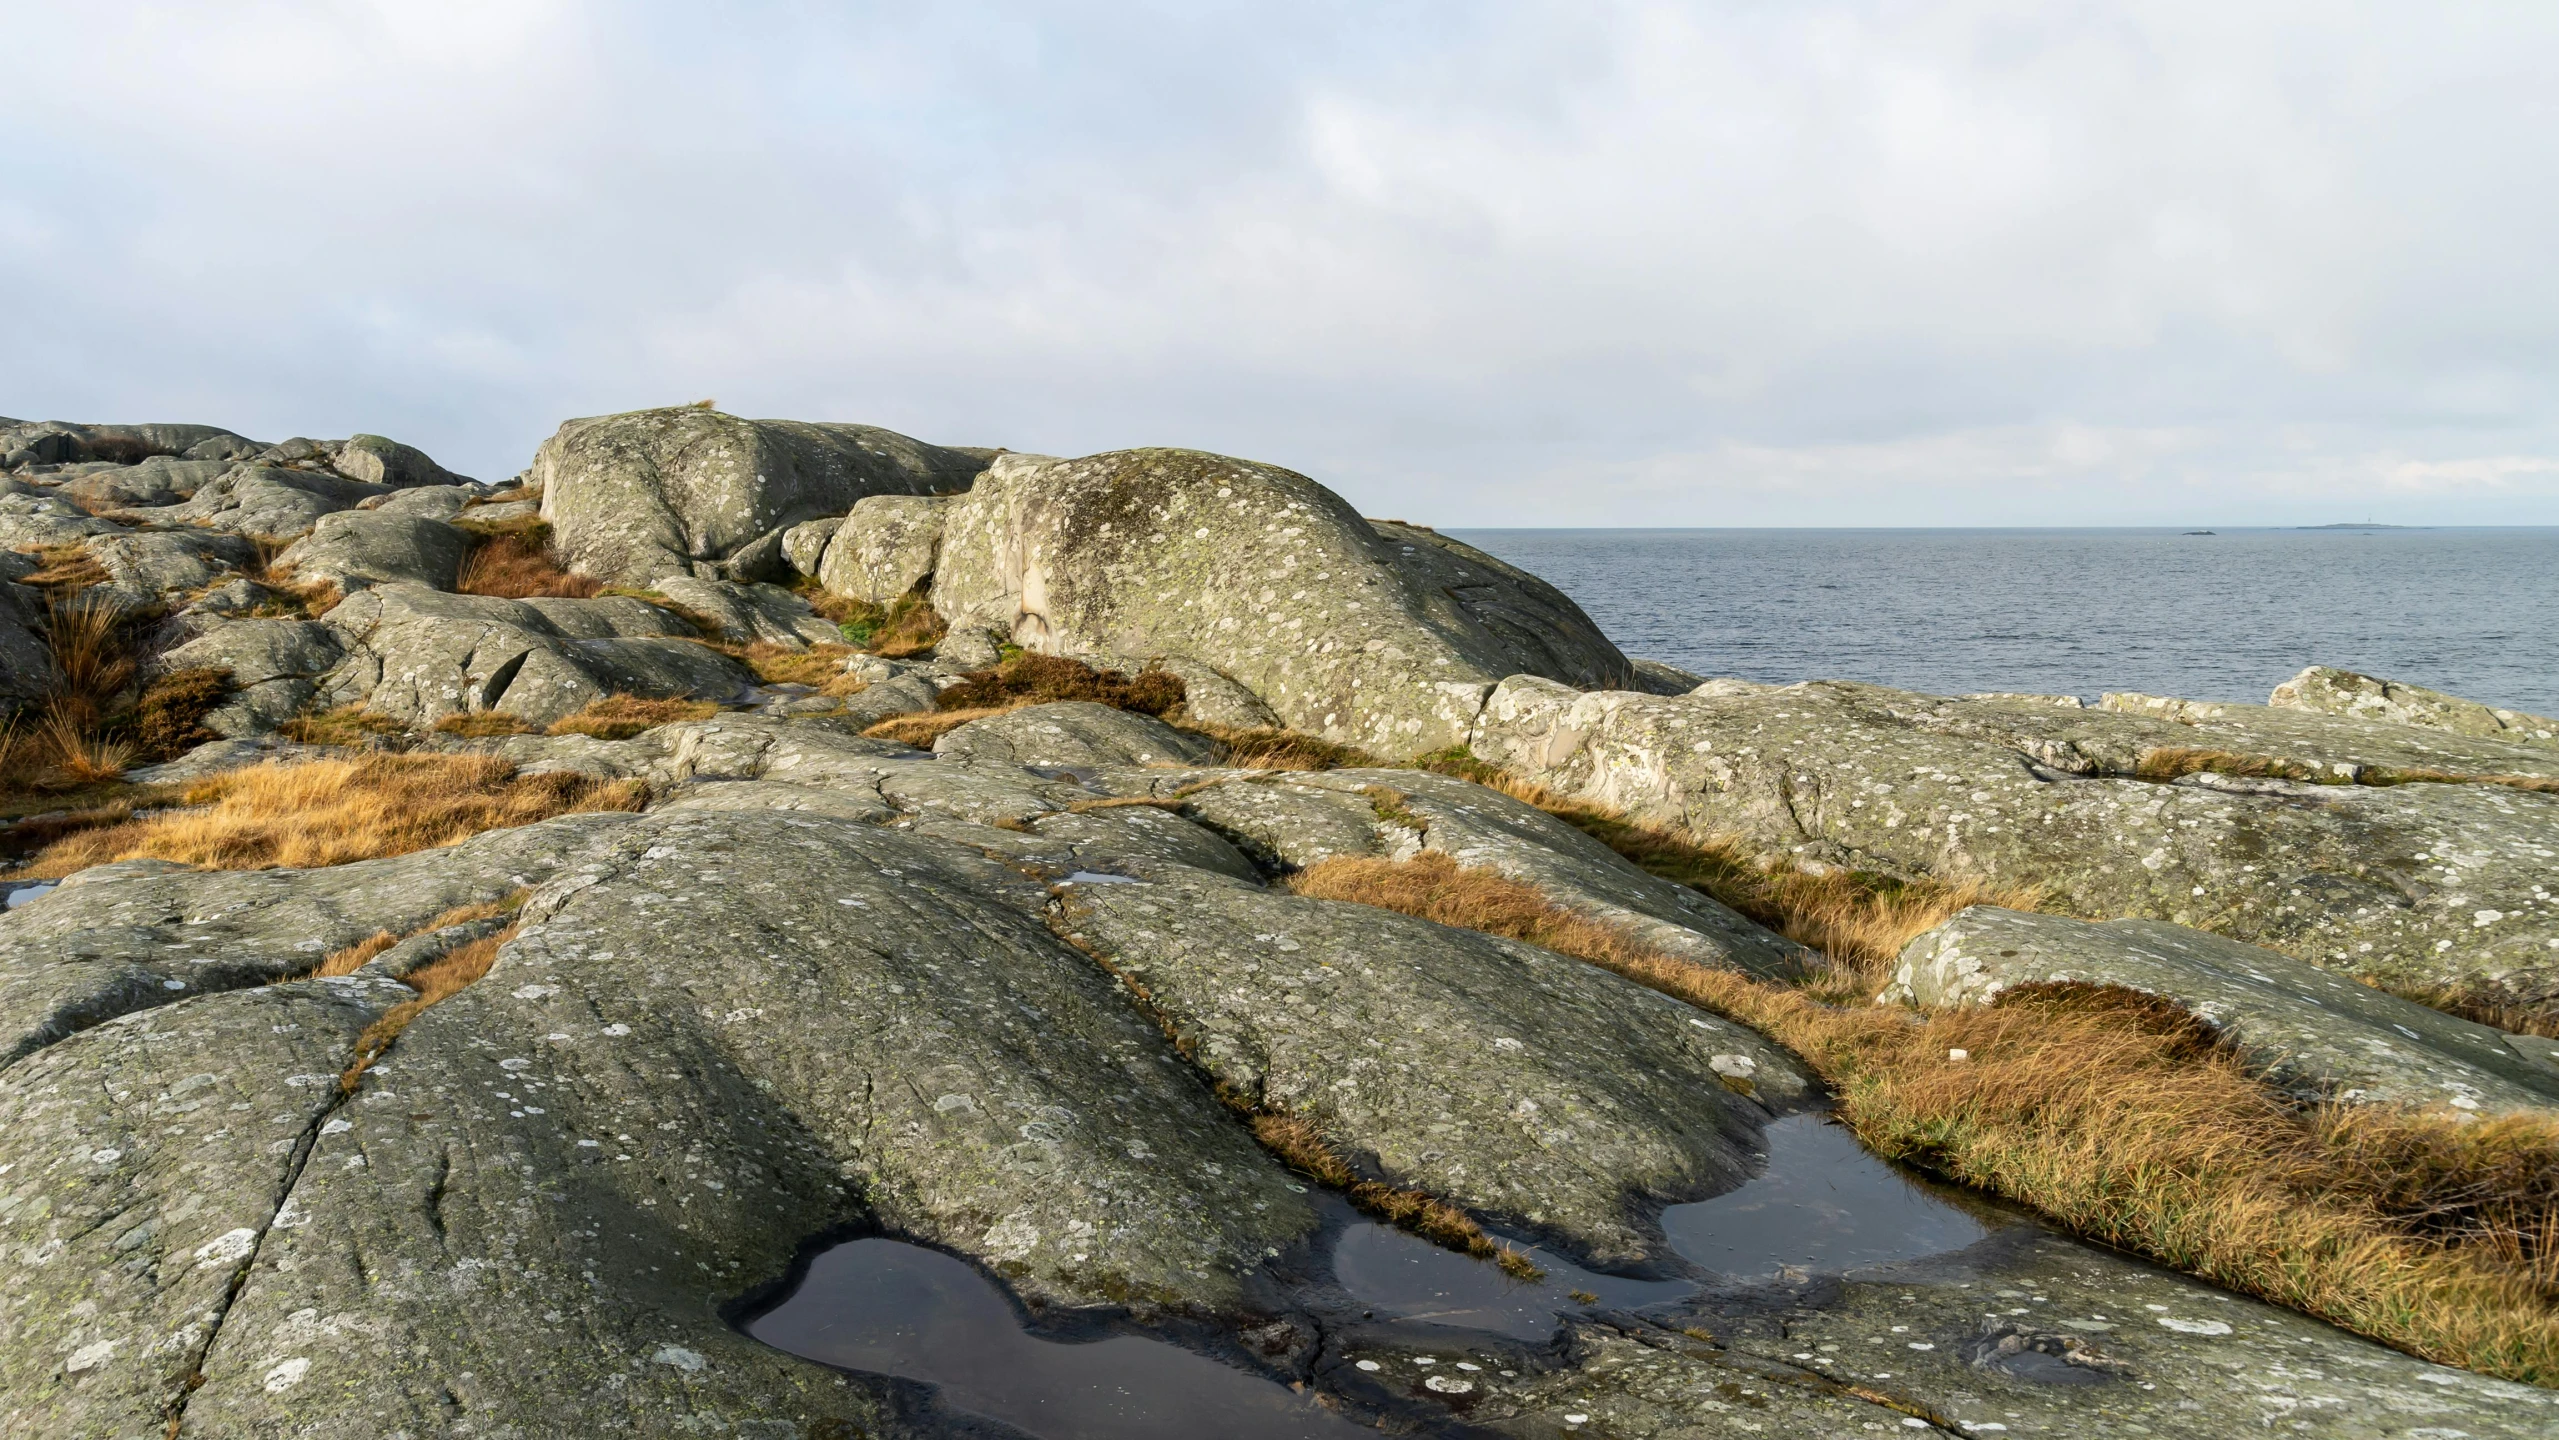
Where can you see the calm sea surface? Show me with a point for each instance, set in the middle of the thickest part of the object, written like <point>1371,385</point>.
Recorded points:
<point>2073,612</point>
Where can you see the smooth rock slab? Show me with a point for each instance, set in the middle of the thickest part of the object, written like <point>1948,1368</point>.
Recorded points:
<point>1526,1087</point>
<point>1075,733</point>
<point>2310,1031</point>
<point>2344,692</point>
<point>357,548</point>
<point>141,1165</point>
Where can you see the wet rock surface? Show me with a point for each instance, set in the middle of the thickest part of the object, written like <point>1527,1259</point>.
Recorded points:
<point>2306,1029</point>
<point>2423,883</point>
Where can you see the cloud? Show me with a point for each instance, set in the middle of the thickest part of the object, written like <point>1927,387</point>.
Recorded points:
<point>1678,263</point>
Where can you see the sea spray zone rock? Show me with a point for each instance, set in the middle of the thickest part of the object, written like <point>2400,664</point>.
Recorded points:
<point>2304,1028</point>
<point>1378,636</point>
<point>2426,884</point>
<point>636,496</point>
<point>2343,692</point>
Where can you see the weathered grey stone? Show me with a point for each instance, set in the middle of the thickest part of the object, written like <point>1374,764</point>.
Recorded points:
<point>26,662</point>
<point>965,650</point>
<point>899,695</point>
<point>354,549</point>
<point>1537,1090</point>
<point>59,442</point>
<point>2343,692</point>
<point>32,518</point>
<point>2308,1031</point>
<point>1382,636</point>
<point>88,953</point>
<point>418,655</point>
<point>143,1161</point>
<point>158,480</point>
<point>377,461</point>
<point>268,502</point>
<point>504,513</point>
<point>884,548</point>
<point>1655,677</point>
<point>751,612</point>
<point>1208,697</point>
<point>643,495</point>
<point>426,502</point>
<point>152,567</point>
<point>2420,884</point>
<point>611,617</point>
<point>1293,820</point>
<point>276,666</point>
<point>1075,732</point>
<point>804,544</point>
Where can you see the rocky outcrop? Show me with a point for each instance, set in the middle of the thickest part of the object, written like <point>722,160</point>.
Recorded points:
<point>358,548</point>
<point>1072,734</point>
<point>2304,1028</point>
<point>2343,692</point>
<point>2107,813</point>
<point>885,547</point>
<point>1381,636</point>
<point>635,497</point>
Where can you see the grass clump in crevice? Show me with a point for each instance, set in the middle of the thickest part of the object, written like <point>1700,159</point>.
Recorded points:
<point>436,981</point>
<point>1033,679</point>
<point>619,717</point>
<point>355,957</point>
<point>2123,1119</point>
<point>513,560</point>
<point>2171,763</point>
<point>1251,749</point>
<point>921,728</point>
<point>906,626</point>
<point>331,812</point>
<point>482,725</point>
<point>816,665</point>
<point>350,725</point>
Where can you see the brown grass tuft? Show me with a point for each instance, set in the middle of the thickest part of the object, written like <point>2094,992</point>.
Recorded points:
<point>436,981</point>
<point>483,725</point>
<point>355,957</point>
<point>330,812</point>
<point>1029,679</point>
<point>65,570</point>
<point>2483,1003</point>
<point>905,626</point>
<point>1281,749</point>
<point>619,717</point>
<point>168,718</point>
<point>923,727</point>
<point>2121,1119</point>
<point>781,665</point>
<point>2174,763</point>
<point>1295,1140</point>
<point>516,563</point>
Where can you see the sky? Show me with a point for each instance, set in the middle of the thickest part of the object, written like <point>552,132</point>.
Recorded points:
<point>1471,264</point>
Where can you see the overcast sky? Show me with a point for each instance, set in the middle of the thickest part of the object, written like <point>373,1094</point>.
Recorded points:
<point>1792,263</point>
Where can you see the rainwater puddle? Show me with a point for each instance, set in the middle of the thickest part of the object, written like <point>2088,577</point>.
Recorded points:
<point>1823,1204</point>
<point>1411,1279</point>
<point>897,1309</point>
<point>25,893</point>
<point>1096,877</point>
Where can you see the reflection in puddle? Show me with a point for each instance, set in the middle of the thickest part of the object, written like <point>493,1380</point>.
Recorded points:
<point>898,1309</point>
<point>1097,877</point>
<point>1822,1204</point>
<point>1412,1279</point>
<point>25,893</point>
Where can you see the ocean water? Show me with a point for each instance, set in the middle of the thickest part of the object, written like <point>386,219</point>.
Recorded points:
<point>2073,612</point>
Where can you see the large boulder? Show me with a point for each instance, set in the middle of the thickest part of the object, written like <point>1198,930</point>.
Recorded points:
<point>1377,635</point>
<point>276,667</point>
<point>378,461</point>
<point>2313,1033</point>
<point>638,496</point>
<point>269,502</point>
<point>2108,813</point>
<point>2343,692</point>
<point>1075,733</point>
<point>357,548</point>
<point>883,549</point>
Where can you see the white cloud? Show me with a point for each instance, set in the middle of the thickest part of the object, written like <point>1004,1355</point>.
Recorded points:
<point>1683,263</point>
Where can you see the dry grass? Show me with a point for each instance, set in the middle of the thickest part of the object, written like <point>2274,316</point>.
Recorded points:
<point>923,727</point>
<point>63,571</point>
<point>436,981</point>
<point>2173,763</point>
<point>362,953</point>
<point>905,626</point>
<point>93,719</point>
<point>1028,679</point>
<point>484,725</point>
<point>619,717</point>
<point>1281,749</point>
<point>311,598</point>
<point>704,626</point>
<point>2121,1119</point>
<point>816,665</point>
<point>516,563</point>
<point>330,812</point>
<point>2482,1003</point>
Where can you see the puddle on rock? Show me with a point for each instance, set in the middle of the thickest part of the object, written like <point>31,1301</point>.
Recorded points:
<point>1096,877</point>
<point>25,893</point>
<point>1408,1278</point>
<point>897,1309</point>
<point>1823,1204</point>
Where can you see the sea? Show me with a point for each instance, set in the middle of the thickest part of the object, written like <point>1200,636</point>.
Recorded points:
<point>2220,615</point>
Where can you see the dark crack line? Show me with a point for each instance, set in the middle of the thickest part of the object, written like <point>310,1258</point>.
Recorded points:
<point>304,1148</point>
